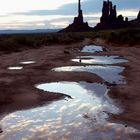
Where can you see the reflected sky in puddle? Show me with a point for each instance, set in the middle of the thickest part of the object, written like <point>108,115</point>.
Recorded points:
<point>99,60</point>
<point>82,117</point>
<point>15,68</point>
<point>78,118</point>
<point>110,74</point>
<point>92,49</point>
<point>27,62</point>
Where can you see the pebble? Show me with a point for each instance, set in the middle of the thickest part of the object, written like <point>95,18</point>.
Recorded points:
<point>1,130</point>
<point>125,125</point>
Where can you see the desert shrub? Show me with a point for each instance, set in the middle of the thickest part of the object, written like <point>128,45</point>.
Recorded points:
<point>127,36</point>
<point>24,40</point>
<point>111,36</point>
<point>8,46</point>
<point>13,43</point>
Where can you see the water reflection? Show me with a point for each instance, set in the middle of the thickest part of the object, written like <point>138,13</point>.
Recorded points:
<point>78,118</point>
<point>92,49</point>
<point>110,74</point>
<point>27,62</point>
<point>99,59</point>
<point>82,117</point>
<point>15,68</point>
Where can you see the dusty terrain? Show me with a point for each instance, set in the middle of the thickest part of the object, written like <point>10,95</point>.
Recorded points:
<point>128,95</point>
<point>17,89</point>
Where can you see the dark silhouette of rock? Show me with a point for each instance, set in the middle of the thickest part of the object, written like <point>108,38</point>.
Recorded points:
<point>109,19</point>
<point>105,13</point>
<point>136,22</point>
<point>113,13</point>
<point>120,19</point>
<point>78,24</point>
<point>138,17</point>
<point>126,19</point>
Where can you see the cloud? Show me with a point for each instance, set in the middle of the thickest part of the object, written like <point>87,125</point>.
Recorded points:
<point>56,14</point>
<point>12,6</point>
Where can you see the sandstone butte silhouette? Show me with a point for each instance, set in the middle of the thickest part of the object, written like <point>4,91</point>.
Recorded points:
<point>108,20</point>
<point>138,17</point>
<point>78,24</point>
<point>136,22</point>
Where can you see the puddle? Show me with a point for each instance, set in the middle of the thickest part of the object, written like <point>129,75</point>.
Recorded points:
<point>80,118</point>
<point>27,62</point>
<point>92,49</point>
<point>110,74</point>
<point>15,68</point>
<point>99,60</point>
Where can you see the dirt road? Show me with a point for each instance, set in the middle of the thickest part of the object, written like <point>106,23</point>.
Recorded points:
<point>17,89</point>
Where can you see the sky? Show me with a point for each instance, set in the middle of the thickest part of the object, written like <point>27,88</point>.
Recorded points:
<point>53,14</point>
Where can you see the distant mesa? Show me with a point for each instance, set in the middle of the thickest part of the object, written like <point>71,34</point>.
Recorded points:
<point>108,20</point>
<point>78,24</point>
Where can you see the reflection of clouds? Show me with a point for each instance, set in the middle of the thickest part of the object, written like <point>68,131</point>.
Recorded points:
<point>94,108</point>
<point>58,129</point>
<point>108,73</point>
<point>92,49</point>
<point>65,119</point>
<point>74,103</point>
<point>21,125</point>
<point>62,109</point>
<point>67,133</point>
<point>82,106</point>
<point>13,116</point>
<point>99,59</point>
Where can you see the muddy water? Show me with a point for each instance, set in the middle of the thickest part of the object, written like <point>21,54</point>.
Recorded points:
<point>15,68</point>
<point>92,49</point>
<point>82,117</point>
<point>99,60</point>
<point>21,67</point>
<point>27,62</point>
<point>110,74</point>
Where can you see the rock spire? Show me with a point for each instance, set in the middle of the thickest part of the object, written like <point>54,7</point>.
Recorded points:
<point>109,19</point>
<point>78,24</point>
<point>138,17</point>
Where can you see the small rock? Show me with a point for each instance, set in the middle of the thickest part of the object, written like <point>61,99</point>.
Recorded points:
<point>66,99</point>
<point>66,52</point>
<point>110,84</point>
<point>1,130</point>
<point>126,126</point>
<point>104,49</point>
<point>86,116</point>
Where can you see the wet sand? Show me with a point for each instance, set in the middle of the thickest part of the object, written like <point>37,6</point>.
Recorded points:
<point>17,89</point>
<point>127,95</point>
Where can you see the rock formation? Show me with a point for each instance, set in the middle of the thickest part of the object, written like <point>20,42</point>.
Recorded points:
<point>136,22</point>
<point>109,19</point>
<point>78,24</point>
<point>138,17</point>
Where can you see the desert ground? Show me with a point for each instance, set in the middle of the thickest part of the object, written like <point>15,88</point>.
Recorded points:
<point>17,91</point>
